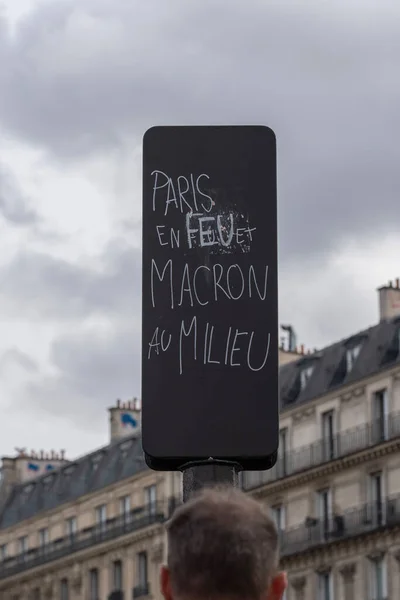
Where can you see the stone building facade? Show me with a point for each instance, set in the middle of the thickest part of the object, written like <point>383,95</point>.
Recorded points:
<point>92,529</point>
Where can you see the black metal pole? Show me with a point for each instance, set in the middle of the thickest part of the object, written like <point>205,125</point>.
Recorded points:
<point>197,475</point>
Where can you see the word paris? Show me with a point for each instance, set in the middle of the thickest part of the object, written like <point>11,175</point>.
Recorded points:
<point>226,230</point>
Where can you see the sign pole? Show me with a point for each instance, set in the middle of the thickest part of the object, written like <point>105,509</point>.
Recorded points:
<point>197,475</point>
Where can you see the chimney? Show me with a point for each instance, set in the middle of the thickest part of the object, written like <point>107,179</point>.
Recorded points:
<point>389,300</point>
<point>125,419</point>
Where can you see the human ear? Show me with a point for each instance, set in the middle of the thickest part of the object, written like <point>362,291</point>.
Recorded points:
<point>277,587</point>
<point>165,583</point>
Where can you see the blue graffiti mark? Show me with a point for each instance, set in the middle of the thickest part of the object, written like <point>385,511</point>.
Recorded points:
<point>33,467</point>
<point>49,467</point>
<point>127,419</point>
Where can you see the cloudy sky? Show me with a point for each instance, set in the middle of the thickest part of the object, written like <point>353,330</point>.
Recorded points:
<point>80,82</point>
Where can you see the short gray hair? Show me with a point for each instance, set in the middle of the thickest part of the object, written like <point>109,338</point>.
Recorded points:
<point>221,544</point>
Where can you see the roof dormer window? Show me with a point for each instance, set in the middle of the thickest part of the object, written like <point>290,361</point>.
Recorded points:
<point>305,375</point>
<point>48,481</point>
<point>96,460</point>
<point>125,447</point>
<point>351,357</point>
<point>28,489</point>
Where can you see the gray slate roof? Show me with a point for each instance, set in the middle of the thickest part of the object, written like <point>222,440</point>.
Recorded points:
<point>115,462</point>
<point>380,350</point>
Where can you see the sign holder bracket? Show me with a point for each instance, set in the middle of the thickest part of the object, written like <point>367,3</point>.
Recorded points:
<point>200,474</point>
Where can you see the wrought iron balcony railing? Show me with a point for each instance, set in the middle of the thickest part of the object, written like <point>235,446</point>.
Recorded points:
<point>361,520</point>
<point>113,528</point>
<point>140,591</point>
<point>364,519</point>
<point>326,450</point>
<point>116,595</point>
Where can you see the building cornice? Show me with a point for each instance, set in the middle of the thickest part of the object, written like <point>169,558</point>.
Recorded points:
<point>364,544</point>
<point>326,469</point>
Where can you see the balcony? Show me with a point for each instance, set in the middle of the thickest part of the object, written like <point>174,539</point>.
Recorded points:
<point>326,450</point>
<point>113,528</point>
<point>140,591</point>
<point>116,595</point>
<point>367,518</point>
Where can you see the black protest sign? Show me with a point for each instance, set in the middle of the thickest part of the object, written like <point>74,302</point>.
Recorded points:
<point>210,299</point>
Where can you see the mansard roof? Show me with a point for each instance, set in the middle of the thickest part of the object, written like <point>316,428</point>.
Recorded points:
<point>117,461</point>
<point>378,349</point>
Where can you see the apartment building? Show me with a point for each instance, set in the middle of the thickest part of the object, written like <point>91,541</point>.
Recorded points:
<point>92,528</point>
<point>335,490</point>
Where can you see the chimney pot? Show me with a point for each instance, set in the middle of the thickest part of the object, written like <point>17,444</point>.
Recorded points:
<point>302,349</point>
<point>62,454</point>
<point>397,283</point>
<point>42,454</point>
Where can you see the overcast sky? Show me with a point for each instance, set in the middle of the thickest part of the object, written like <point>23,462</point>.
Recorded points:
<point>81,80</point>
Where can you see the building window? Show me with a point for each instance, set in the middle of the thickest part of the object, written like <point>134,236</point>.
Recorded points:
<point>117,575</point>
<point>3,552</point>
<point>351,357</point>
<point>101,517</point>
<point>43,537</point>
<point>94,584</point>
<point>125,507</point>
<point>324,507</point>
<point>305,375</point>
<point>283,452</point>
<point>279,516</point>
<point>376,498</point>
<point>328,435</point>
<point>325,591</point>
<point>142,570</point>
<point>380,416</point>
<point>150,495</point>
<point>36,594</point>
<point>378,579</point>
<point>64,589</point>
<point>23,544</point>
<point>71,526</point>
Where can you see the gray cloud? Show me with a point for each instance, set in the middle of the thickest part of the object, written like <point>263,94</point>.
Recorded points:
<point>44,287</point>
<point>99,358</point>
<point>14,206</point>
<point>15,357</point>
<point>82,77</point>
<point>325,80</point>
<point>92,370</point>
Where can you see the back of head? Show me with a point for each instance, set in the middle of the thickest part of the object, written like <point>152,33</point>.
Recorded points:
<point>221,544</point>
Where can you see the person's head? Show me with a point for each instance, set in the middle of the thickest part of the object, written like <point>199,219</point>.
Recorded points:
<point>222,545</point>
